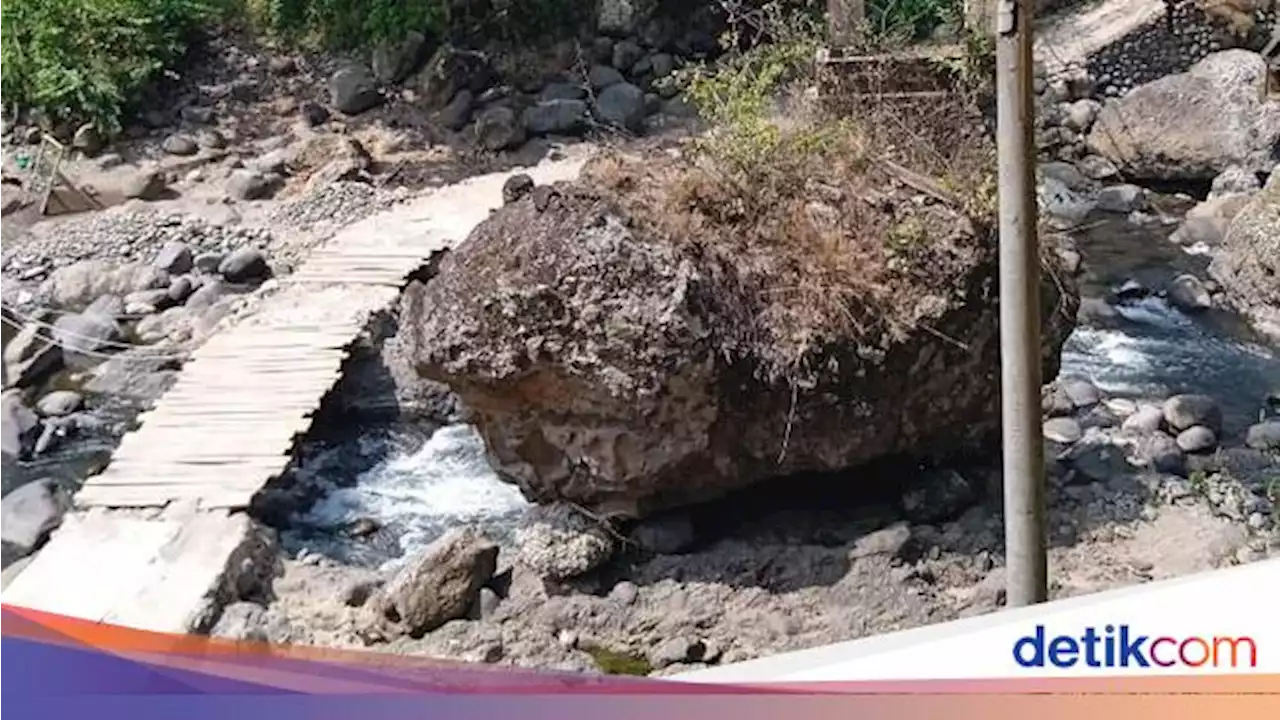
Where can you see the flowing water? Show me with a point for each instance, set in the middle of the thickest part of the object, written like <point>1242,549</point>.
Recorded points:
<point>416,483</point>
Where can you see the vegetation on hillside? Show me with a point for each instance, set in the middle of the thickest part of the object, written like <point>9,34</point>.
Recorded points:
<point>92,60</point>
<point>88,60</point>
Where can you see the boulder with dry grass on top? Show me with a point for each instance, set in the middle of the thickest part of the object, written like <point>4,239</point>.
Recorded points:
<point>658,333</point>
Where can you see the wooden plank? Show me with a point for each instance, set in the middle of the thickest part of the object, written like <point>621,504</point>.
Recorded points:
<point>156,495</point>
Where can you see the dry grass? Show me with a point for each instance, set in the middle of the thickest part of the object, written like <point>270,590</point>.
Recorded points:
<point>869,228</point>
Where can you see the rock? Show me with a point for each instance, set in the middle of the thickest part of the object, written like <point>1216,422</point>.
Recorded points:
<point>1063,430</point>
<point>20,426</point>
<point>1235,180</point>
<point>1188,294</point>
<point>174,258</point>
<point>562,91</point>
<point>626,54</point>
<point>1162,454</point>
<point>457,113</point>
<point>395,61</point>
<point>624,593</point>
<point>1264,435</point>
<point>59,403</point>
<point>516,187</point>
<point>196,114</point>
<point>30,513</point>
<point>1080,114</point>
<point>180,145</point>
<point>248,185</point>
<point>449,71</point>
<point>85,337</point>
<point>1096,167</point>
<point>486,604</point>
<point>1083,394</point>
<point>663,65</point>
<point>211,140</point>
<point>1159,130</point>
<point>498,128</point>
<point>938,495</point>
<point>528,343</point>
<point>77,284</point>
<point>1145,421</point>
<point>1054,401</point>
<point>888,541</point>
<point>1122,199</point>
<point>145,302</point>
<point>1197,439</point>
<point>1097,462</point>
<point>1248,263</point>
<point>438,584</point>
<point>558,117</point>
<point>146,184</point>
<point>245,265</point>
<point>353,89</point>
<point>243,621</point>
<point>674,650</point>
<point>1132,290</point>
<point>87,140</point>
<point>313,114</point>
<point>1184,411</point>
<point>208,262</point>
<point>665,534</point>
<point>30,358</point>
<point>13,570</point>
<point>559,543</point>
<point>107,307</point>
<point>1207,223</point>
<point>621,105</point>
<point>602,76</point>
<point>347,161</point>
<point>619,18</point>
<point>206,295</point>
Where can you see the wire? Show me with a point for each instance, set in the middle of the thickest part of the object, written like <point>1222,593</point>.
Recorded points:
<point>63,335</point>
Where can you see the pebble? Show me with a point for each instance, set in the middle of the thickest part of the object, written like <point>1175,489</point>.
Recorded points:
<point>624,593</point>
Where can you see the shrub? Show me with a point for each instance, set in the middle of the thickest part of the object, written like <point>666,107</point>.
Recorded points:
<point>349,24</point>
<point>89,60</point>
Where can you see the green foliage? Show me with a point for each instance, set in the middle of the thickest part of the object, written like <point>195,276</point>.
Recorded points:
<point>907,20</point>
<point>88,60</point>
<point>612,662</point>
<point>349,24</point>
<point>737,96</point>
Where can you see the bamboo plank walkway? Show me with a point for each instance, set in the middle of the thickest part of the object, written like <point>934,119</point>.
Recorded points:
<point>156,535</point>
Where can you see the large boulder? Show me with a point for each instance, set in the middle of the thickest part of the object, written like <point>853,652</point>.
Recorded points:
<point>437,585</point>
<point>1247,265</point>
<point>451,70</point>
<point>627,343</point>
<point>353,89</point>
<point>1193,125</point>
<point>29,514</point>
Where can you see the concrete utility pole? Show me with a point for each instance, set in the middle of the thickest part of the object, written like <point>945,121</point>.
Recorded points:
<point>1024,495</point>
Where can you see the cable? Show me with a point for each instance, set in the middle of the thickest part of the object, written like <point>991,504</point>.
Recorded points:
<point>122,351</point>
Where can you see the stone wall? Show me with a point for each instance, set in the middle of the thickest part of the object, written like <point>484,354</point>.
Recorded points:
<point>1068,100</point>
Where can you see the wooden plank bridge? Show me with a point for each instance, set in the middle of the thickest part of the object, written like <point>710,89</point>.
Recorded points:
<point>155,539</point>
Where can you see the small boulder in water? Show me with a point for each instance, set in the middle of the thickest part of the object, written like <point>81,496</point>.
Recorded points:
<point>59,403</point>
<point>1122,199</point>
<point>1197,439</point>
<point>1185,411</point>
<point>1145,421</point>
<point>1162,454</point>
<point>1189,294</point>
<point>1083,393</point>
<point>1063,430</point>
<point>1264,436</point>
